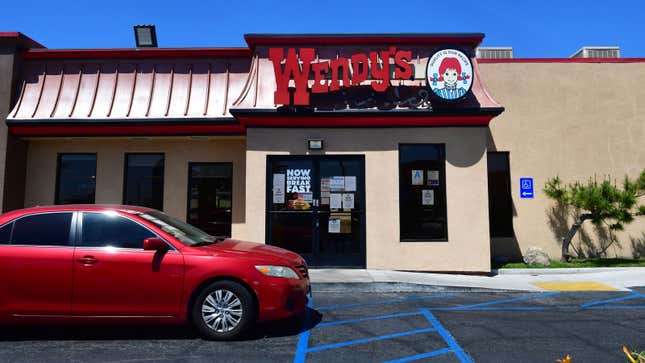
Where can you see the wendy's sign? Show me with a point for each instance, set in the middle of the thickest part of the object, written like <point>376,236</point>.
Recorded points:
<point>327,74</point>
<point>449,75</point>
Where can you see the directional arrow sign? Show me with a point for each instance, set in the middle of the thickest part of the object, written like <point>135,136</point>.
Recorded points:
<point>526,188</point>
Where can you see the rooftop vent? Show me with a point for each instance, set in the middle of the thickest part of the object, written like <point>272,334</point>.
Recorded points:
<point>145,36</point>
<point>495,52</point>
<point>597,52</point>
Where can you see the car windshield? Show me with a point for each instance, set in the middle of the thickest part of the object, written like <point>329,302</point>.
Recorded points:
<point>184,232</point>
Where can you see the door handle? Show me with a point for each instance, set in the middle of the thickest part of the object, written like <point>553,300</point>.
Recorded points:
<point>87,260</point>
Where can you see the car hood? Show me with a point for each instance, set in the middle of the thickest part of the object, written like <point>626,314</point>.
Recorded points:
<point>260,251</point>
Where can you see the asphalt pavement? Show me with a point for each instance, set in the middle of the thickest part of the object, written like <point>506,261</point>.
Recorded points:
<point>375,323</point>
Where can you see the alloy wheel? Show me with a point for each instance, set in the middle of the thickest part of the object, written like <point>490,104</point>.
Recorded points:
<point>222,311</point>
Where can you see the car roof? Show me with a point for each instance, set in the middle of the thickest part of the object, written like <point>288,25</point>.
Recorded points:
<point>131,209</point>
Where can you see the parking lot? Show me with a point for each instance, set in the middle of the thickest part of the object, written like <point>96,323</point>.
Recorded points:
<point>344,326</point>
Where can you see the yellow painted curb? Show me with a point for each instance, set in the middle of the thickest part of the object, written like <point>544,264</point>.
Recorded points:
<point>574,286</point>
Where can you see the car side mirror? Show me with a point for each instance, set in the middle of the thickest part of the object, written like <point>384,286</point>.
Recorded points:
<point>155,244</point>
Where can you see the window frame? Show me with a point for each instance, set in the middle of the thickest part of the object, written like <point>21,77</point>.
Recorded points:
<point>125,175</point>
<point>442,181</point>
<point>58,163</point>
<point>72,229</point>
<point>79,232</point>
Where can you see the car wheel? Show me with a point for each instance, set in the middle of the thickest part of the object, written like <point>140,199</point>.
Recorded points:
<point>223,310</point>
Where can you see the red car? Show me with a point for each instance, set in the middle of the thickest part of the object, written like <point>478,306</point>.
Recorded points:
<point>90,263</point>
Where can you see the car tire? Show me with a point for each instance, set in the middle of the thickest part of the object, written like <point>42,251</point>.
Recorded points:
<point>223,310</point>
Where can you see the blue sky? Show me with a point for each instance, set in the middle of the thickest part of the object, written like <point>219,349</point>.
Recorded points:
<point>533,28</point>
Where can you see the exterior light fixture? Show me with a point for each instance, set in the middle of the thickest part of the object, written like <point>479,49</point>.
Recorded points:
<point>145,36</point>
<point>315,144</point>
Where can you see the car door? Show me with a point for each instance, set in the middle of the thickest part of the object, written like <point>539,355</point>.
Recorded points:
<point>114,276</point>
<point>36,257</point>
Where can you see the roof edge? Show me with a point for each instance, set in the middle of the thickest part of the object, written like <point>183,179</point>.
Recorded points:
<point>258,39</point>
<point>136,53</point>
<point>561,60</point>
<point>23,40</point>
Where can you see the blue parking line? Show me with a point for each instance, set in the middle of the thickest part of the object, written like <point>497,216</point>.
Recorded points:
<point>510,308</point>
<point>616,307</point>
<point>627,297</point>
<point>303,338</point>
<point>391,301</point>
<point>447,337</point>
<point>496,302</point>
<point>421,356</point>
<point>369,340</point>
<point>349,321</point>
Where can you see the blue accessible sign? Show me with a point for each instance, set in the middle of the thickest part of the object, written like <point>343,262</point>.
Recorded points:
<point>526,188</point>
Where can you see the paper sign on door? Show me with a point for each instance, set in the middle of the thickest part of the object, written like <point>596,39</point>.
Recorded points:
<point>427,197</point>
<point>335,200</point>
<point>417,177</point>
<point>278,188</point>
<point>348,200</point>
<point>334,225</point>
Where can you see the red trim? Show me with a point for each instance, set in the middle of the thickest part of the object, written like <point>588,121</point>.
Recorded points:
<point>253,40</point>
<point>136,53</point>
<point>174,130</point>
<point>363,121</point>
<point>25,40</point>
<point>562,60</point>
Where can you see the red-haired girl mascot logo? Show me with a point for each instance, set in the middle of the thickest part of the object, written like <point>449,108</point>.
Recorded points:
<point>449,74</point>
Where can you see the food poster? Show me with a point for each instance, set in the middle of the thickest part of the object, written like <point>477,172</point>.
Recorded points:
<point>299,193</point>
<point>325,187</point>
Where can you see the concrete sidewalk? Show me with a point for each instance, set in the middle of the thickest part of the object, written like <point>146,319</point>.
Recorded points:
<point>528,280</point>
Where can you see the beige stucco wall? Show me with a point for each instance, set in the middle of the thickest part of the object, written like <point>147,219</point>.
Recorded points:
<point>468,246</point>
<point>575,120</point>
<point>42,158</point>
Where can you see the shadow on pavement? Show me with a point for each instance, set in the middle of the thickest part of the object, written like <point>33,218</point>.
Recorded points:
<point>280,328</point>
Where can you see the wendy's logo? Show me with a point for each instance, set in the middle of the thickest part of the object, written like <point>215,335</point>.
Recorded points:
<point>449,74</point>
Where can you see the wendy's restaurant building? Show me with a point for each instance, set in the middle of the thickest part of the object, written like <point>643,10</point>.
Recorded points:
<point>391,151</point>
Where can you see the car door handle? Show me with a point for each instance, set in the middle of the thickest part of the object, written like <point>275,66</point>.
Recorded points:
<point>87,260</point>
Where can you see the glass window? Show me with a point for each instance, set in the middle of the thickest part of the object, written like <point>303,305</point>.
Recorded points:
<point>184,232</point>
<point>5,234</point>
<point>144,180</point>
<point>76,181</point>
<point>210,187</point>
<point>422,192</point>
<point>49,229</point>
<point>111,229</point>
<point>500,204</point>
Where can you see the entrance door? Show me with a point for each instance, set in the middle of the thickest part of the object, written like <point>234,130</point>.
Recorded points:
<point>210,197</point>
<point>316,207</point>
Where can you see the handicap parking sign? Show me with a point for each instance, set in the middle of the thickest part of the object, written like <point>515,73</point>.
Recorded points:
<point>526,188</point>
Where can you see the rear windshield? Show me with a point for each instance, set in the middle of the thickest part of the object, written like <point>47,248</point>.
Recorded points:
<point>184,232</point>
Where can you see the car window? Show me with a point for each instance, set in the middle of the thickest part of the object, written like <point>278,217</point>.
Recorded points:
<point>47,229</point>
<point>5,234</point>
<point>112,229</point>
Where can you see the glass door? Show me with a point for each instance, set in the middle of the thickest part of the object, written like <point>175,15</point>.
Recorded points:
<point>315,207</point>
<point>210,197</point>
